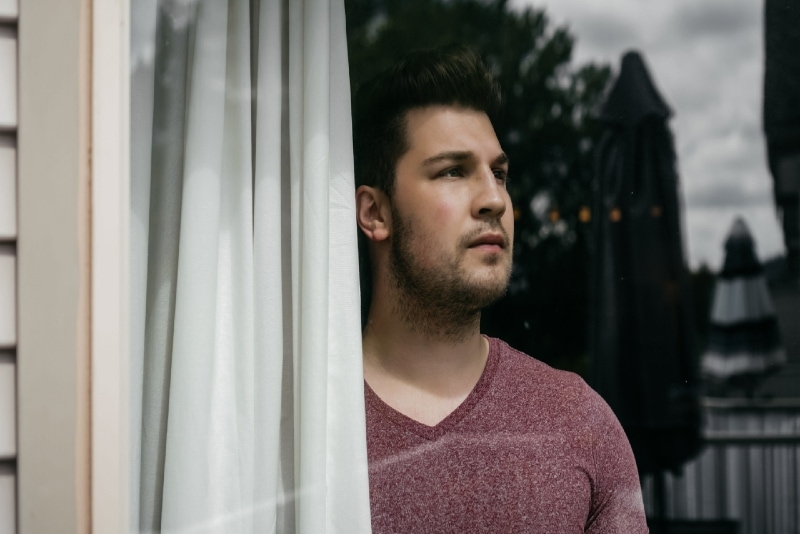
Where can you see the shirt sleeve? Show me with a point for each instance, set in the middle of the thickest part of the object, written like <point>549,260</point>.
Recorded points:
<point>617,504</point>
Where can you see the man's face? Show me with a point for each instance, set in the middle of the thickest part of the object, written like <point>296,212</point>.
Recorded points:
<point>452,222</point>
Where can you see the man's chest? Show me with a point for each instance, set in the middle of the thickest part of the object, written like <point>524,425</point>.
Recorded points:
<point>479,482</point>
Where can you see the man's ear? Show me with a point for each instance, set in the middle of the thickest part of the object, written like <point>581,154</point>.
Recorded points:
<point>373,213</point>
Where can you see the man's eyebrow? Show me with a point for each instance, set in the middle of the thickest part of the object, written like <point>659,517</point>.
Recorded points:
<point>457,156</point>
<point>502,159</point>
<point>448,156</point>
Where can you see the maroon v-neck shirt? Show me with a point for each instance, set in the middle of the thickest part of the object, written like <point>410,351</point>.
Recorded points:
<point>531,449</point>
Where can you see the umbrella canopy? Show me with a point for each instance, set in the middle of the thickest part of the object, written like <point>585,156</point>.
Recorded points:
<point>642,338</point>
<point>744,343</point>
<point>782,117</point>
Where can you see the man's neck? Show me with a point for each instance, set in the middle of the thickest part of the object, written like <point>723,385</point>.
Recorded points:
<point>417,373</point>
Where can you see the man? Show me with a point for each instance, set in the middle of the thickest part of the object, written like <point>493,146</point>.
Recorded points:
<point>464,433</point>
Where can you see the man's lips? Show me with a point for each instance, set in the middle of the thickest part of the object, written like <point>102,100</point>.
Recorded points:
<point>489,240</point>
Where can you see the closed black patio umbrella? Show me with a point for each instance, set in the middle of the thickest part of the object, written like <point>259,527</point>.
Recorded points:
<point>642,344</point>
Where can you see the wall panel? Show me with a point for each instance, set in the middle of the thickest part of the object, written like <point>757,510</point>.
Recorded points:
<point>9,10</point>
<point>8,319</point>
<point>8,77</point>
<point>8,498</point>
<point>8,407</point>
<point>8,187</point>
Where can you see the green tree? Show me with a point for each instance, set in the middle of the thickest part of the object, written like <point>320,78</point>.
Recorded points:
<point>547,133</point>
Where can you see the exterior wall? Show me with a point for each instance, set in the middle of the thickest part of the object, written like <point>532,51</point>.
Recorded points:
<point>69,267</point>
<point>8,262</point>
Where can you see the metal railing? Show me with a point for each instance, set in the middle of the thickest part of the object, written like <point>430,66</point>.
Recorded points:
<point>749,470</point>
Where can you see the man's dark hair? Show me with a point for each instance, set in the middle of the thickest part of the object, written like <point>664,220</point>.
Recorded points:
<point>453,75</point>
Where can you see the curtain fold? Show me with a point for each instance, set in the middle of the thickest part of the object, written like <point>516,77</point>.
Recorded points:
<point>246,344</point>
<point>143,31</point>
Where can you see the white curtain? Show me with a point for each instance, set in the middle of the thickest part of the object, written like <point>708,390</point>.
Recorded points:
<point>247,407</point>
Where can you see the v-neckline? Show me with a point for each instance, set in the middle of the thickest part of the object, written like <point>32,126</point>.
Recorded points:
<point>441,428</point>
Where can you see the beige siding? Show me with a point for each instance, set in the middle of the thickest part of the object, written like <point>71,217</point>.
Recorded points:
<point>48,113</point>
<point>8,443</point>
<point>8,407</point>
<point>8,187</point>
<point>7,498</point>
<point>8,265</point>
<point>8,77</point>
<point>8,314</point>
<point>9,10</point>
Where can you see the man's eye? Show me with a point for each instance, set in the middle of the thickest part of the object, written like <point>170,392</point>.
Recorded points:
<point>453,172</point>
<point>501,175</point>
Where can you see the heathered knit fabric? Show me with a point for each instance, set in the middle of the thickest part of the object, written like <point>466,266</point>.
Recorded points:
<point>530,450</point>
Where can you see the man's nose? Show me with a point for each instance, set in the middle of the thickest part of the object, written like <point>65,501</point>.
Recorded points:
<point>490,198</point>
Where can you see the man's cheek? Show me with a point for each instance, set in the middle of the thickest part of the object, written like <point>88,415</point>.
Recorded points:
<point>444,212</point>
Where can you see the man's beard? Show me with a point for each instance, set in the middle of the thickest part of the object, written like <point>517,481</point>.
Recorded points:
<point>441,302</point>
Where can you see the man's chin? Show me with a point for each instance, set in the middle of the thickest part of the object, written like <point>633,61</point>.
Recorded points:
<point>492,259</point>
<point>486,292</point>
<point>492,275</point>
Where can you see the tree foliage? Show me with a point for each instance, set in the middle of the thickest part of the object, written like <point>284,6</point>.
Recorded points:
<point>547,132</point>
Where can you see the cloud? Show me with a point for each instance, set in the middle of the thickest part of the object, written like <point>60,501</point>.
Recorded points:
<point>706,57</point>
<point>729,195</point>
<point>713,18</point>
<point>608,34</point>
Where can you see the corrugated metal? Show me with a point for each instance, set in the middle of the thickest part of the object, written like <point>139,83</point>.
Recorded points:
<point>749,472</point>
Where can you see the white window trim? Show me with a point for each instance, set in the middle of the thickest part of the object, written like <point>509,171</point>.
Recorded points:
<point>110,278</point>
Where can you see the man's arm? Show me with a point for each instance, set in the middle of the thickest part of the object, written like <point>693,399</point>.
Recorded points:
<point>617,504</point>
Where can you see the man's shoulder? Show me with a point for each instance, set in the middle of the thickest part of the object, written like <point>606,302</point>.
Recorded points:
<point>539,396</point>
<point>529,370</point>
<point>560,397</point>
<point>529,383</point>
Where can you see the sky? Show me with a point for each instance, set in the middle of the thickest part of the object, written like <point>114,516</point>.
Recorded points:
<point>706,58</point>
